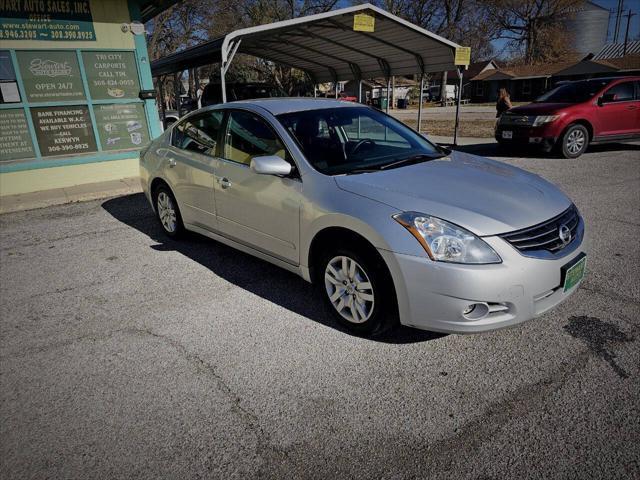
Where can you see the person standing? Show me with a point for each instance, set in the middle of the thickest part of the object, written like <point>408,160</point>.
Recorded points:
<point>504,102</point>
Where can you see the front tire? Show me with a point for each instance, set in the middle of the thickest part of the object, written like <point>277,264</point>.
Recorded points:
<point>358,290</point>
<point>167,212</point>
<point>575,141</point>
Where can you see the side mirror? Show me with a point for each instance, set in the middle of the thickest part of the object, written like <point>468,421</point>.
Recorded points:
<point>270,165</point>
<point>445,150</point>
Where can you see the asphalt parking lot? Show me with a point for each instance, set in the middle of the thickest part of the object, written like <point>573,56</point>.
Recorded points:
<point>128,355</point>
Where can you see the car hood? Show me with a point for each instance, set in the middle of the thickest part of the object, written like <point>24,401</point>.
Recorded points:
<point>481,195</point>
<point>539,108</point>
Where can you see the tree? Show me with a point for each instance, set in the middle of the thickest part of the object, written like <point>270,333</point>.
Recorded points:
<point>534,29</point>
<point>466,22</point>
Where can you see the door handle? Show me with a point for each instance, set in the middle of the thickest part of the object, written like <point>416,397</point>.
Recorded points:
<point>225,183</point>
<point>631,107</point>
<point>172,162</point>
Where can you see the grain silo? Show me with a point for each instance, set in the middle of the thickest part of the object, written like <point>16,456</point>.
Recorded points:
<point>588,25</point>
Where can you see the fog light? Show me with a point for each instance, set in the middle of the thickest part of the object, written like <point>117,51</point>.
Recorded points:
<point>535,139</point>
<point>476,311</point>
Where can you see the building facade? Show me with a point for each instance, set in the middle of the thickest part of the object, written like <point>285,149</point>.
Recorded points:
<point>74,89</point>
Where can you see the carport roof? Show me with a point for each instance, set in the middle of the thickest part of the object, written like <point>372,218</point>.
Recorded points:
<point>327,47</point>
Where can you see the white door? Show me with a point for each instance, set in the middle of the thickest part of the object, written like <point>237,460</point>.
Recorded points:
<point>190,164</point>
<point>261,211</point>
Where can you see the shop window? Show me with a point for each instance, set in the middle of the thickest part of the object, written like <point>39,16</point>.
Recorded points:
<point>9,92</point>
<point>15,141</point>
<point>63,130</point>
<point>479,89</point>
<point>50,76</point>
<point>121,126</point>
<point>111,74</point>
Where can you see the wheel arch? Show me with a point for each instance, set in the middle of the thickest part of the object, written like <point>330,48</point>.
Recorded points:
<point>154,185</point>
<point>580,121</point>
<point>333,236</point>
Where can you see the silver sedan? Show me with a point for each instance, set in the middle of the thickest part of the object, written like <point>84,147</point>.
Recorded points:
<point>390,227</point>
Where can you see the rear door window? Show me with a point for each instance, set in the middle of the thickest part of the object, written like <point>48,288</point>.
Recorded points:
<point>199,133</point>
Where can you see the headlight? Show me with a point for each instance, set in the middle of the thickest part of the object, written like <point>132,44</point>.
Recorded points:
<point>542,119</point>
<point>446,242</point>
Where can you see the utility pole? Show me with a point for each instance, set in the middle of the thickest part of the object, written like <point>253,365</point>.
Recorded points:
<point>626,35</point>
<point>616,30</point>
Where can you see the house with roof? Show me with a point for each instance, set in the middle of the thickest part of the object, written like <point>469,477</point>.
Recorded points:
<point>527,82</point>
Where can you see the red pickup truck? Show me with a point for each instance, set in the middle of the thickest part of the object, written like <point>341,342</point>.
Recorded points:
<point>574,115</point>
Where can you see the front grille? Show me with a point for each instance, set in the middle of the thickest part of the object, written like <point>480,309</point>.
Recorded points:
<point>508,119</point>
<point>545,235</point>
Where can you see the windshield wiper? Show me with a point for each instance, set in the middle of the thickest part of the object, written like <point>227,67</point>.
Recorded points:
<point>413,159</point>
<point>363,170</point>
<point>397,163</point>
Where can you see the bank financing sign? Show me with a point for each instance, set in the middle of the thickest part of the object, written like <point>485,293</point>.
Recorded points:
<point>68,20</point>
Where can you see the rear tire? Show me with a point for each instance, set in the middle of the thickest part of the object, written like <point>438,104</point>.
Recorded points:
<point>167,212</point>
<point>358,290</point>
<point>575,141</point>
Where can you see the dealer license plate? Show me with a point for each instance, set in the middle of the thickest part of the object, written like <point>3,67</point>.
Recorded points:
<point>574,274</point>
<point>507,134</point>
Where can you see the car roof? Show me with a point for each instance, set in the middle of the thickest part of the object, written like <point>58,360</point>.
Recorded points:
<point>603,79</point>
<point>277,106</point>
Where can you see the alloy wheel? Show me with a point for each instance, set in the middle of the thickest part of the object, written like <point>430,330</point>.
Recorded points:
<point>349,289</point>
<point>575,141</point>
<point>167,212</point>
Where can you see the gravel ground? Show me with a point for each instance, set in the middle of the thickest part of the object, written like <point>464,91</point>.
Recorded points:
<point>128,355</point>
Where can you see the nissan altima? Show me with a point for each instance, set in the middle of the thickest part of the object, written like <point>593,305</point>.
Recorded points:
<point>389,226</point>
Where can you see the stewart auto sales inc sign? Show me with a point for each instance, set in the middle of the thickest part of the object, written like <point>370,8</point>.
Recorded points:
<point>61,20</point>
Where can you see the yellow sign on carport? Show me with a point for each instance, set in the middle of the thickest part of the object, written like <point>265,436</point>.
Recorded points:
<point>364,23</point>
<point>463,56</point>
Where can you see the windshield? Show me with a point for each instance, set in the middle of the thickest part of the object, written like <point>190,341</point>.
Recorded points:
<point>355,139</point>
<point>574,92</point>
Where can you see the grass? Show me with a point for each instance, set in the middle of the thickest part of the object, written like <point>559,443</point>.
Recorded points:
<point>468,128</point>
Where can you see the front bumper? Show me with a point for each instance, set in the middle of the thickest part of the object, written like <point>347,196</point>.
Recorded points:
<point>432,295</point>
<point>543,136</point>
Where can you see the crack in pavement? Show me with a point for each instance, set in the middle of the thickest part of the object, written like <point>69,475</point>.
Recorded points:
<point>247,416</point>
<point>59,239</point>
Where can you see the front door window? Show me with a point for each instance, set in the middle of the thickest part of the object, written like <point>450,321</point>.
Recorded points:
<point>249,136</point>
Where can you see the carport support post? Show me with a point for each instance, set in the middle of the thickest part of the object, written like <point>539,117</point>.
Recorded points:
<point>222,85</point>
<point>420,104</point>
<point>176,91</point>
<point>359,93</point>
<point>388,93</point>
<point>455,131</point>
<point>160,82</point>
<point>335,87</point>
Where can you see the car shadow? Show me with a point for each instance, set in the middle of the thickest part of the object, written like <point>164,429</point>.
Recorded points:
<point>495,150</point>
<point>250,273</point>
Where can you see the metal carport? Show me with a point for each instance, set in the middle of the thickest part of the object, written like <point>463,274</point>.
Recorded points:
<point>328,47</point>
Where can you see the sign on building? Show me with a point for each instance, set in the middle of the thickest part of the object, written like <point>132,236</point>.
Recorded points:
<point>50,76</point>
<point>63,130</point>
<point>111,74</point>
<point>69,20</point>
<point>15,141</point>
<point>121,126</point>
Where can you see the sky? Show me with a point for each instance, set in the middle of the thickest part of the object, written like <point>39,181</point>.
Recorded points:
<point>634,27</point>
<point>611,5</point>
